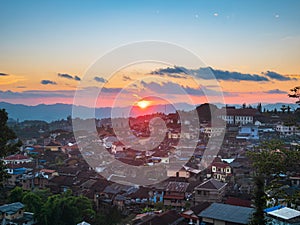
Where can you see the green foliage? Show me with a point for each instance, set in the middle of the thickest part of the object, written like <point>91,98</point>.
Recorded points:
<point>32,202</point>
<point>16,195</point>
<point>112,217</point>
<point>66,209</point>
<point>60,209</point>
<point>259,202</point>
<point>269,161</point>
<point>8,142</point>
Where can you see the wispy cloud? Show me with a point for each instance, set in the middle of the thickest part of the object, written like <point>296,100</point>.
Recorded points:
<point>275,91</point>
<point>174,88</point>
<point>45,82</point>
<point>68,76</point>
<point>126,78</point>
<point>100,79</point>
<point>277,76</point>
<point>3,74</point>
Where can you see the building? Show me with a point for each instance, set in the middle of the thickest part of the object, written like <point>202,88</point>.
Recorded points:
<point>283,216</point>
<point>17,159</point>
<point>220,171</point>
<point>284,130</point>
<point>210,191</point>
<point>14,214</point>
<point>243,116</point>
<point>248,132</point>
<point>222,214</point>
<point>176,193</point>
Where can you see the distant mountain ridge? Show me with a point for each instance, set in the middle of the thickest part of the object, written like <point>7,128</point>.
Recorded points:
<point>60,111</point>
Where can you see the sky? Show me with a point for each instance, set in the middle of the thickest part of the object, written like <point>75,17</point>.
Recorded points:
<point>46,48</point>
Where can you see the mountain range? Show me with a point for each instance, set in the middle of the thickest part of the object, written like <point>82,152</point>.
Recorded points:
<point>62,111</point>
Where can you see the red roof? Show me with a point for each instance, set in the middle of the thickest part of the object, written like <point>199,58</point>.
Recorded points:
<point>220,164</point>
<point>16,157</point>
<point>47,171</point>
<point>238,202</point>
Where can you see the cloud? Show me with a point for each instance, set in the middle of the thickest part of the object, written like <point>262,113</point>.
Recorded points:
<point>277,76</point>
<point>276,91</point>
<point>3,74</point>
<point>228,75</point>
<point>209,73</point>
<point>21,87</point>
<point>68,76</point>
<point>36,94</point>
<point>174,88</point>
<point>169,70</point>
<point>45,82</point>
<point>77,78</point>
<point>100,79</point>
<point>126,78</point>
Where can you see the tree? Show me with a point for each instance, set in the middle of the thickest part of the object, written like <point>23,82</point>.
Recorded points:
<point>269,161</point>
<point>16,195</point>
<point>258,217</point>
<point>259,107</point>
<point>8,143</point>
<point>66,209</point>
<point>295,93</point>
<point>32,202</point>
<point>283,108</point>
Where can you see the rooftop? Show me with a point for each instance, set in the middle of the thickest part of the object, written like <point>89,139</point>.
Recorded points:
<point>11,208</point>
<point>177,186</point>
<point>228,213</point>
<point>212,184</point>
<point>285,213</point>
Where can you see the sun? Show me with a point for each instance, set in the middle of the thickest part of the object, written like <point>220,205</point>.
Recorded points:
<point>143,104</point>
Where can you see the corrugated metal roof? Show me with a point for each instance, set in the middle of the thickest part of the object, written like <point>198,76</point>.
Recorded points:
<point>229,213</point>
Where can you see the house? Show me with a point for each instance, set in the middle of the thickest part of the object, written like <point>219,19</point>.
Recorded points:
<point>170,217</point>
<point>285,130</point>
<point>283,216</point>
<point>41,178</point>
<point>176,193</point>
<point>17,159</point>
<point>14,214</point>
<point>211,190</point>
<point>220,171</point>
<point>53,146</point>
<point>191,215</point>
<point>295,181</point>
<point>222,214</point>
<point>248,132</point>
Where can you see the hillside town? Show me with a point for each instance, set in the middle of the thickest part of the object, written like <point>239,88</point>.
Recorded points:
<point>51,159</point>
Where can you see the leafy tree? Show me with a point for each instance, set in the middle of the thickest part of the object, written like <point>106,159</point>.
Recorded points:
<point>16,195</point>
<point>295,93</point>
<point>32,202</point>
<point>269,161</point>
<point>66,209</point>
<point>8,143</point>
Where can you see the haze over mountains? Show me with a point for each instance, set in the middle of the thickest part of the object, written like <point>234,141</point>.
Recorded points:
<point>61,111</point>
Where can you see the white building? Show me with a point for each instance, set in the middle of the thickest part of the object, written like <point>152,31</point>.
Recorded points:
<point>287,130</point>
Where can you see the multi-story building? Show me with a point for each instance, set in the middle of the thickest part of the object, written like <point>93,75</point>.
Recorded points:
<point>238,116</point>
<point>211,190</point>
